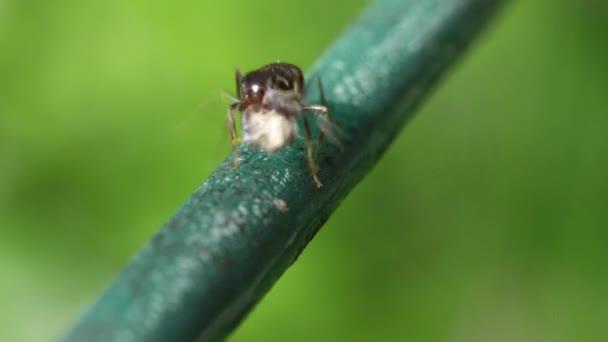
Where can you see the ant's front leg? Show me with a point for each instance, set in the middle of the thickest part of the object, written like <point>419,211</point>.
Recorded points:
<point>312,165</point>
<point>238,78</point>
<point>325,112</point>
<point>233,133</point>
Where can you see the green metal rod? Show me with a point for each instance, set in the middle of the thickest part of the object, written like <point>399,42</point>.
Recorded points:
<point>225,248</point>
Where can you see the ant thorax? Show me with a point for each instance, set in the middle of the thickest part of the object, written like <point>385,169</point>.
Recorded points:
<point>269,130</point>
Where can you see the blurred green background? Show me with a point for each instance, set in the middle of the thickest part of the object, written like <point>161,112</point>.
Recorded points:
<point>485,221</point>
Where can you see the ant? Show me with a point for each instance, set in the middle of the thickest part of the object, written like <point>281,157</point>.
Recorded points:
<point>270,99</point>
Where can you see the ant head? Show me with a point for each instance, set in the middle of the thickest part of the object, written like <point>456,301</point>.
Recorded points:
<point>253,88</point>
<point>281,78</point>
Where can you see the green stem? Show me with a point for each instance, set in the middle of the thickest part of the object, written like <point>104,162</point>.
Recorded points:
<point>225,248</point>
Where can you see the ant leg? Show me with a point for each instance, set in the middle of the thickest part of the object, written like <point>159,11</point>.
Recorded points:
<point>325,112</point>
<point>233,135</point>
<point>312,165</point>
<point>225,95</point>
<point>238,78</point>
<point>319,109</point>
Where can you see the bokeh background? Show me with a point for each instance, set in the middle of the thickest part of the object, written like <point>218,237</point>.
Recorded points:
<point>487,219</point>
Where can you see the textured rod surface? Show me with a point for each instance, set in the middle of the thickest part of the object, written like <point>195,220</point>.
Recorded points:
<point>241,229</point>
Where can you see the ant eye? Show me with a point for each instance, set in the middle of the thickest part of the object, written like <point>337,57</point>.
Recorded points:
<point>282,83</point>
<point>256,93</point>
